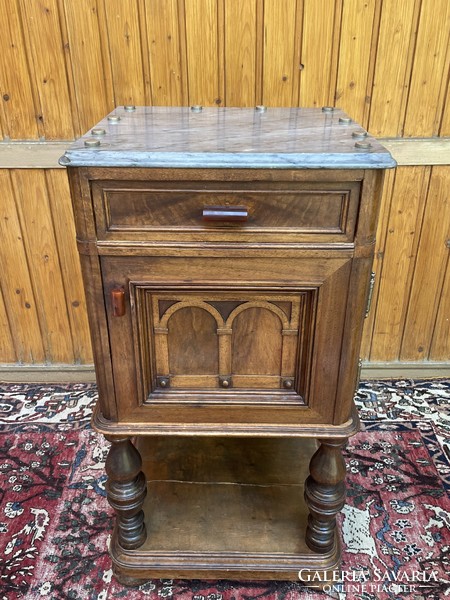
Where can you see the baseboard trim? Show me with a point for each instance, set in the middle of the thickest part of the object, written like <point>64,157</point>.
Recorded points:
<point>86,374</point>
<point>55,373</point>
<point>405,370</point>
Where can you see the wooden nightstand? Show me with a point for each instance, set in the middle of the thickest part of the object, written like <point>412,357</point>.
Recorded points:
<point>226,256</point>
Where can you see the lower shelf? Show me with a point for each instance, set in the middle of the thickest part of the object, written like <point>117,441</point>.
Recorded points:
<point>224,508</point>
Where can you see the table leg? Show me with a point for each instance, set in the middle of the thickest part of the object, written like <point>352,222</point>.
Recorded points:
<point>126,489</point>
<point>325,494</point>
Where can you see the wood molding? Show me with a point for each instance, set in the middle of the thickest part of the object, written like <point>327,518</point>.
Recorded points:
<point>419,151</point>
<point>45,155</point>
<point>32,155</point>
<point>409,370</point>
<point>57,373</point>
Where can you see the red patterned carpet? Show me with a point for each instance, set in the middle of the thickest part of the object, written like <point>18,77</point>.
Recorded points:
<point>55,521</point>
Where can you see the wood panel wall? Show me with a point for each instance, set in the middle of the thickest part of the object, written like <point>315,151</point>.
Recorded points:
<point>64,64</point>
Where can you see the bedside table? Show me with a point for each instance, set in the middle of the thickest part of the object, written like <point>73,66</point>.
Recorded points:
<point>226,256</point>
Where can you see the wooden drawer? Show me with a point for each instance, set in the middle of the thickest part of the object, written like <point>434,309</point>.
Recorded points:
<point>272,211</point>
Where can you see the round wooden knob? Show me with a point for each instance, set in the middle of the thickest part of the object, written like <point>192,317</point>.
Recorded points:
<point>225,383</point>
<point>163,383</point>
<point>287,383</point>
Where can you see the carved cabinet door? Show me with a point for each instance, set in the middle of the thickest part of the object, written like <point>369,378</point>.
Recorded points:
<point>211,338</point>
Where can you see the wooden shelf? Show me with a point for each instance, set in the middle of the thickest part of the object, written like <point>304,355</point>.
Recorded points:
<point>224,508</point>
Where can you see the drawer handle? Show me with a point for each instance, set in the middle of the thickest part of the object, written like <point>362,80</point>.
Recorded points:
<point>225,213</point>
<point>118,302</point>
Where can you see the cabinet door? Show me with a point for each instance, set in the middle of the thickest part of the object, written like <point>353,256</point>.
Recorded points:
<point>261,340</point>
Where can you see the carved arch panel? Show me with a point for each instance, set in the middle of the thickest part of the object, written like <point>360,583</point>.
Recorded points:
<point>235,341</point>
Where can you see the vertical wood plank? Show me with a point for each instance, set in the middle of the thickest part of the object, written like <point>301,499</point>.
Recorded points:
<point>440,345</point>
<point>7,352</point>
<point>354,57</point>
<point>45,269</point>
<point>400,250</point>
<point>16,94</point>
<point>377,267</point>
<point>430,70</point>
<point>16,284</point>
<point>240,53</point>
<point>93,96</point>
<point>317,58</point>
<point>167,76</point>
<point>429,270</point>
<point>124,39</point>
<point>280,73</point>
<point>49,71</point>
<point>445,124</point>
<point>202,43</point>
<point>392,70</point>
<point>61,209</point>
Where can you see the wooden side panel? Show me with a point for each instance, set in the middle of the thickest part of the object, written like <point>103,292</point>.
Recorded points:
<point>61,209</point>
<point>240,52</point>
<point>399,257</point>
<point>18,107</point>
<point>318,61</point>
<point>356,35</point>
<point>93,94</point>
<point>430,269</point>
<point>42,253</point>
<point>430,70</point>
<point>392,71</point>
<point>203,48</point>
<point>124,39</point>
<point>377,266</point>
<point>281,71</point>
<point>15,281</point>
<point>165,44</point>
<point>42,26</point>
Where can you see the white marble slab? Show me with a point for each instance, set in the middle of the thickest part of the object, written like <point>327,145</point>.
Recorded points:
<point>279,138</point>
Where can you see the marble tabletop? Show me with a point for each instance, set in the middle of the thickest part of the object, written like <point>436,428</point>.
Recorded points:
<point>196,137</point>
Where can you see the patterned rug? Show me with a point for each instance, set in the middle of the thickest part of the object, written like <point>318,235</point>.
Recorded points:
<point>55,521</point>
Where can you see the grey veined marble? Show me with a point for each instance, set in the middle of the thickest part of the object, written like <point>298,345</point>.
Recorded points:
<point>277,138</point>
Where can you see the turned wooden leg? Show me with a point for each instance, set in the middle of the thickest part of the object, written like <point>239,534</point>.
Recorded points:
<point>325,494</point>
<point>126,489</point>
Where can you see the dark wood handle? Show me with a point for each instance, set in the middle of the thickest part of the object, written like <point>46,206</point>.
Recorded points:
<point>118,302</point>
<point>225,213</point>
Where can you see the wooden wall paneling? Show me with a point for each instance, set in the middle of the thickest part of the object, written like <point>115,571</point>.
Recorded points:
<point>429,269</point>
<point>15,281</point>
<point>440,344</point>
<point>41,20</point>
<point>240,53</point>
<point>402,236</point>
<point>385,207</point>
<point>393,67</point>
<point>357,29</point>
<point>16,94</point>
<point>165,47</point>
<point>45,269</point>
<point>445,124</point>
<point>202,44</point>
<point>124,41</point>
<point>259,75</point>
<point>281,60</point>
<point>94,96</point>
<point>7,351</point>
<point>430,70</point>
<point>61,209</point>
<point>317,79</point>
